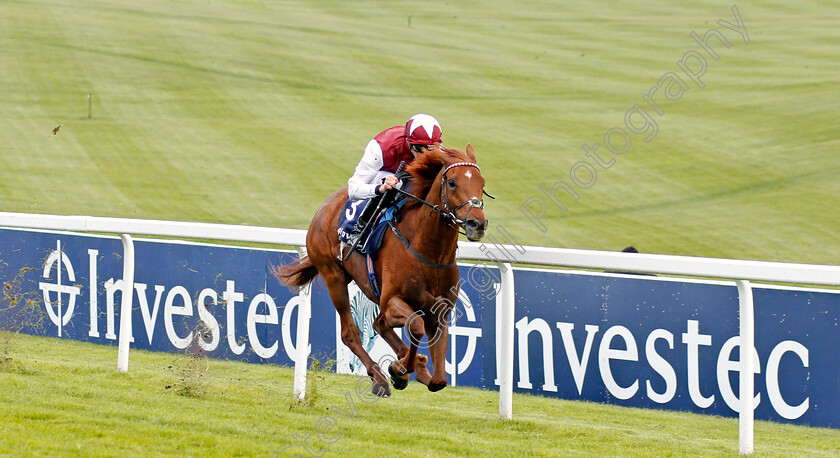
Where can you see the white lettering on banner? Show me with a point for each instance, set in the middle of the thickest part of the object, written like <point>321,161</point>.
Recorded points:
<point>725,365</point>
<point>578,365</point>
<point>178,302</point>
<point>254,318</point>
<point>286,329</point>
<point>661,388</point>
<point>94,306</point>
<point>773,392</point>
<point>209,321</point>
<point>661,366</point>
<point>149,317</point>
<point>170,309</point>
<point>231,297</point>
<point>606,353</point>
<point>111,287</point>
<point>544,329</point>
<point>693,341</point>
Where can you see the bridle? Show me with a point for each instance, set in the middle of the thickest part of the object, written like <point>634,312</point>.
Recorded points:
<point>447,212</point>
<point>475,202</point>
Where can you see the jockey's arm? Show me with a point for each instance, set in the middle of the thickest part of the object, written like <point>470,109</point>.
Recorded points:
<point>361,185</point>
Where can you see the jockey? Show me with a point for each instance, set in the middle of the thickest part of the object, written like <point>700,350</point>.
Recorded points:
<point>375,173</point>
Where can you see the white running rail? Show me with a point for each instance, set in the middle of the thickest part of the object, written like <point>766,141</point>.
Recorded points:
<point>740,271</point>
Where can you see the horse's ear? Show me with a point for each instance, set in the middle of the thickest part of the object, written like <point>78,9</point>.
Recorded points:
<point>470,152</point>
<point>443,153</point>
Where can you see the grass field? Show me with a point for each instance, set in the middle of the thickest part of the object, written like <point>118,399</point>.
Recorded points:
<point>253,112</point>
<point>178,405</point>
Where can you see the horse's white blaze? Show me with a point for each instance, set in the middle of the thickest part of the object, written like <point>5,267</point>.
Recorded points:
<point>468,174</point>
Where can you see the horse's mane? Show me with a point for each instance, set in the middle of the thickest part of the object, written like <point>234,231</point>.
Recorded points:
<point>425,169</point>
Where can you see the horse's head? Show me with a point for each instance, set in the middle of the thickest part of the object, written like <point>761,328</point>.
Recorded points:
<point>461,192</point>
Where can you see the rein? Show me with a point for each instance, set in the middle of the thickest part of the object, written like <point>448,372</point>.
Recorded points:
<point>447,213</point>
<point>417,255</point>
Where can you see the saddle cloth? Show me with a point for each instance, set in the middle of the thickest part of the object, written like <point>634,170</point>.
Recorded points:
<point>347,221</point>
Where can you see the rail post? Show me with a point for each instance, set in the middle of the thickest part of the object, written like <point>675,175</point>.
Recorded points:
<point>506,350</point>
<point>302,345</point>
<point>746,414</point>
<point>125,310</point>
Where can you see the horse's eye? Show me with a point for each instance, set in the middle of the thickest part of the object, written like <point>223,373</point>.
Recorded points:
<point>451,183</point>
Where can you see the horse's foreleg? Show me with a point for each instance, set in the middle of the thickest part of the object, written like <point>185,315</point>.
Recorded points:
<point>351,337</point>
<point>438,342</point>
<point>437,328</point>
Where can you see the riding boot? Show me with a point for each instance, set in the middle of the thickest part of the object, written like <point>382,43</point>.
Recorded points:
<point>366,215</point>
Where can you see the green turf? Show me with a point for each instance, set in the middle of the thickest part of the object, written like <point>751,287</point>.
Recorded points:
<point>250,112</point>
<point>253,112</point>
<point>54,403</point>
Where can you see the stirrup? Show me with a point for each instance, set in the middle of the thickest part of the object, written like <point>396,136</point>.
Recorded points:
<point>353,242</point>
<point>355,235</point>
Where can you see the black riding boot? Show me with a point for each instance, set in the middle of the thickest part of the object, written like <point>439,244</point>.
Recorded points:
<point>366,215</point>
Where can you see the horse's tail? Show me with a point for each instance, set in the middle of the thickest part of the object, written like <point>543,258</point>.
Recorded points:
<point>296,273</point>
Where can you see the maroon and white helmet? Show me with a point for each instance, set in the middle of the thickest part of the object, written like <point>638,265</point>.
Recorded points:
<point>422,129</point>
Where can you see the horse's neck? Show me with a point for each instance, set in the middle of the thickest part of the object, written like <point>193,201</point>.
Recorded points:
<point>430,234</point>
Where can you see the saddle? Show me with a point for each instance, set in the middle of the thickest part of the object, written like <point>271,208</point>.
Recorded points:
<point>372,238</point>
<point>387,207</point>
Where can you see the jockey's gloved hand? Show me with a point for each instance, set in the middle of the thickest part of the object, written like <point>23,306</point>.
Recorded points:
<point>387,183</point>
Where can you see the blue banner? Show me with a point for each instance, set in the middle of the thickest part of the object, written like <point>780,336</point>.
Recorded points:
<point>651,342</point>
<point>222,300</point>
<point>631,340</point>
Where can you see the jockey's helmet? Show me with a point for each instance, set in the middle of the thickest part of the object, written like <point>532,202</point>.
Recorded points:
<point>422,129</point>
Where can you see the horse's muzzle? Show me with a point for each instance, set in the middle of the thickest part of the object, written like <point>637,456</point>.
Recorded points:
<point>475,228</point>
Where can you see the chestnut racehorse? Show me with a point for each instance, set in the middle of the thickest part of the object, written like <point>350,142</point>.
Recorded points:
<point>416,269</point>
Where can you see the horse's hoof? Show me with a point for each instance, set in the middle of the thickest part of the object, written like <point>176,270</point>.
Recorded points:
<point>399,383</point>
<point>381,390</point>
<point>397,380</point>
<point>436,386</point>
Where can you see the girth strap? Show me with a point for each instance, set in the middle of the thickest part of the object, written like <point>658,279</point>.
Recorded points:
<point>374,285</point>
<point>417,255</point>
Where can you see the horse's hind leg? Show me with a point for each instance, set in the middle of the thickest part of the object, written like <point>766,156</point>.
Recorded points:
<point>384,325</point>
<point>350,333</point>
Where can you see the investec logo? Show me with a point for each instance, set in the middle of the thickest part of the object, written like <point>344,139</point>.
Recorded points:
<point>617,343</point>
<point>60,296</point>
<point>462,324</point>
<point>472,333</point>
<point>53,292</point>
